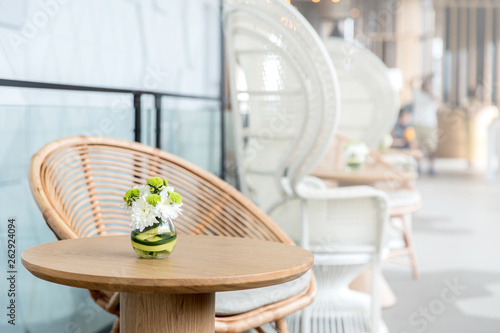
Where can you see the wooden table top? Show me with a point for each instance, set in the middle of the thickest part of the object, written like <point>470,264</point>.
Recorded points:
<point>199,264</point>
<point>366,175</point>
<point>415,153</point>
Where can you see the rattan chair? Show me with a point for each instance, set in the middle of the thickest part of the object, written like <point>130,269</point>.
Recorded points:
<point>78,184</point>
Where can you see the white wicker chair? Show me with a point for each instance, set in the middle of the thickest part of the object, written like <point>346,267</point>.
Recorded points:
<point>284,95</point>
<point>369,100</point>
<point>370,105</point>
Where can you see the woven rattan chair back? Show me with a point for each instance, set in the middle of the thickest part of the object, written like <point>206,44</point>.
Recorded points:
<point>79,183</point>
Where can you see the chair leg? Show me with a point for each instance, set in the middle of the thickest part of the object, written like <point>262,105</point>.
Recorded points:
<point>116,326</point>
<point>376,312</point>
<point>409,245</point>
<point>305,322</point>
<point>281,325</point>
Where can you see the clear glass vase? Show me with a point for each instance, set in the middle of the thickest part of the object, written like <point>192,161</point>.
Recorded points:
<point>155,242</point>
<point>354,165</point>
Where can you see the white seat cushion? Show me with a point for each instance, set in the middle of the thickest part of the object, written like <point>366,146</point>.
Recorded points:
<point>356,257</point>
<point>403,198</point>
<point>343,258</point>
<point>235,302</point>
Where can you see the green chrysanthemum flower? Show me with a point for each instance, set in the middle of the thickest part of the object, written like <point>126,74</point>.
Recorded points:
<point>175,198</point>
<point>155,182</point>
<point>153,199</point>
<point>131,195</point>
<point>134,193</point>
<point>165,182</point>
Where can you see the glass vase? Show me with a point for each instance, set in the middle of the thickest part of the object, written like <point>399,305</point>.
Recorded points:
<point>354,165</point>
<point>155,242</point>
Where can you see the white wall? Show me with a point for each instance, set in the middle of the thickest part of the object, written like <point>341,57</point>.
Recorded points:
<point>165,44</point>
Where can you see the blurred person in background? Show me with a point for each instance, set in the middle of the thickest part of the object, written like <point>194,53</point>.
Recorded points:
<point>403,132</point>
<point>425,122</point>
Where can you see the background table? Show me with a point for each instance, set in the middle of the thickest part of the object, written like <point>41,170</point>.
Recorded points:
<point>176,294</point>
<point>367,176</point>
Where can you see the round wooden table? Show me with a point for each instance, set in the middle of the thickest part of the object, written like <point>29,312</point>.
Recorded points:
<point>176,294</point>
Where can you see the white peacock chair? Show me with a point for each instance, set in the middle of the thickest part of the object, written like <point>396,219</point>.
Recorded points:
<point>370,102</point>
<point>369,97</point>
<point>370,106</point>
<point>285,102</point>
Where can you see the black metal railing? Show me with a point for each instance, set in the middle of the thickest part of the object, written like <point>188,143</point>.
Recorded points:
<point>136,94</point>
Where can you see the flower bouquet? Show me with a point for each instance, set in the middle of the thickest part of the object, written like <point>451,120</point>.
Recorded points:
<point>355,155</point>
<point>153,208</point>
<point>385,143</point>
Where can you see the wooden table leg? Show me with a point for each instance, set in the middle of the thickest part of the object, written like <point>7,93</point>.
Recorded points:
<point>169,313</point>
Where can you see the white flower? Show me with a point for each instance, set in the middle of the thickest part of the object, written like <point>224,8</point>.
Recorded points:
<point>144,190</point>
<point>386,142</point>
<point>165,209</point>
<point>356,151</point>
<point>168,212</point>
<point>125,207</point>
<point>142,214</point>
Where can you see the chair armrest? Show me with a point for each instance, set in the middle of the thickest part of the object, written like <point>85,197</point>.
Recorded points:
<point>306,192</point>
<point>314,182</point>
<point>346,219</point>
<point>401,162</point>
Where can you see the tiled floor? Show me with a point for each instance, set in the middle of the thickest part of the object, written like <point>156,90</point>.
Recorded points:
<point>457,235</point>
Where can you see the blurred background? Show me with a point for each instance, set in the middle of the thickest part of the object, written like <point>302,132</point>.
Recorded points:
<point>165,61</point>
